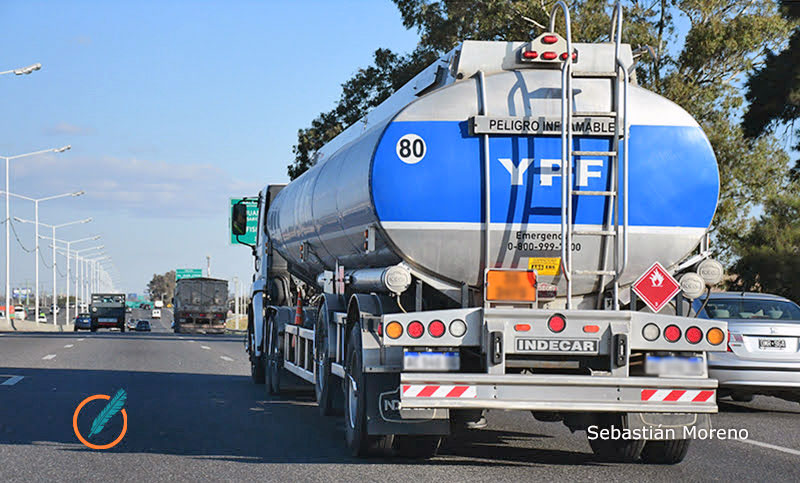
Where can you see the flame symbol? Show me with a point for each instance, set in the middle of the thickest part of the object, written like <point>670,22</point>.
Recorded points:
<point>656,278</point>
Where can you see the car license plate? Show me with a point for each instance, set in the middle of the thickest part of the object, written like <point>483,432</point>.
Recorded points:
<point>771,343</point>
<point>673,366</point>
<point>106,319</point>
<point>431,361</point>
<point>572,346</point>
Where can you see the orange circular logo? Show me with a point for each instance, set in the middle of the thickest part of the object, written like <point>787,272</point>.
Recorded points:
<point>78,433</point>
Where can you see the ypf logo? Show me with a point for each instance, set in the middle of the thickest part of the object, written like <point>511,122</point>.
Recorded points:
<point>114,406</point>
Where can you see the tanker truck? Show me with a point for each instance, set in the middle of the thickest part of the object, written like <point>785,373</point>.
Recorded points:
<point>491,236</point>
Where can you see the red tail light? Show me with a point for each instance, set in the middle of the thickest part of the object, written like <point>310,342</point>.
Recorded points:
<point>415,329</point>
<point>672,333</point>
<point>549,55</point>
<point>436,328</point>
<point>556,323</point>
<point>530,54</point>
<point>729,342</point>
<point>549,39</point>
<point>694,335</point>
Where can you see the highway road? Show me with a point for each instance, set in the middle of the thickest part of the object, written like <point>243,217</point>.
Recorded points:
<point>193,414</point>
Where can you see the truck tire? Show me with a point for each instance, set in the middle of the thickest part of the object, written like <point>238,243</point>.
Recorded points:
<point>327,392</point>
<point>417,447</point>
<point>616,450</point>
<point>274,360</point>
<point>258,370</point>
<point>257,364</point>
<point>354,387</point>
<point>665,452</point>
<point>122,328</point>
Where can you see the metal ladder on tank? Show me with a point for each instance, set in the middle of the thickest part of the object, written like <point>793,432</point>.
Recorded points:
<point>612,229</point>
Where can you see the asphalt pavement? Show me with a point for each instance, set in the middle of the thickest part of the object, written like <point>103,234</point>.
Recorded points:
<point>193,414</point>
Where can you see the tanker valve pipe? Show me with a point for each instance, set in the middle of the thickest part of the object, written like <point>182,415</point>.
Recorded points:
<point>395,279</point>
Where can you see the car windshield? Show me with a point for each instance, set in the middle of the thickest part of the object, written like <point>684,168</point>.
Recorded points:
<point>758,309</point>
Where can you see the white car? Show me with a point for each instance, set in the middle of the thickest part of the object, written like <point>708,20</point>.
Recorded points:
<point>156,314</point>
<point>20,313</point>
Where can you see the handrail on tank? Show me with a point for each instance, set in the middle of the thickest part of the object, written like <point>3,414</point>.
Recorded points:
<point>566,142</point>
<point>616,37</point>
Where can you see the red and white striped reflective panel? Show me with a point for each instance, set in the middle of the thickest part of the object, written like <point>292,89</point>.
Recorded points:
<point>676,395</point>
<point>421,390</point>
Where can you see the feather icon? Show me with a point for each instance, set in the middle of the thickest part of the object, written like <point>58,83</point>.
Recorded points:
<point>113,407</point>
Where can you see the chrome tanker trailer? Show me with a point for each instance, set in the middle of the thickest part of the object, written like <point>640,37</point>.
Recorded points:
<point>472,243</point>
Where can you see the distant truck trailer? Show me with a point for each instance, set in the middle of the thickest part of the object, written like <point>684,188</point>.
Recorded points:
<point>108,310</point>
<point>200,305</point>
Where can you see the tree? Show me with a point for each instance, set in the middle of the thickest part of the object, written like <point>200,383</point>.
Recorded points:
<point>700,68</point>
<point>162,287</point>
<point>770,251</point>
<point>773,90</point>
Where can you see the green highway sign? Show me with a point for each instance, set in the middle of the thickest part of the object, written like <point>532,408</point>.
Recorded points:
<point>188,273</point>
<point>252,222</point>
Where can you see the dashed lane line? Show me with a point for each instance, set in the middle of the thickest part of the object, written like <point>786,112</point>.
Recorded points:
<point>79,340</point>
<point>68,346</point>
<point>48,357</point>
<point>226,358</point>
<point>205,347</point>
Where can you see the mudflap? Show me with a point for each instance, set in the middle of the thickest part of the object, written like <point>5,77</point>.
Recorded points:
<point>384,414</point>
<point>664,426</point>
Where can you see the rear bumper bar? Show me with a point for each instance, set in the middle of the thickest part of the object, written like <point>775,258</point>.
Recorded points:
<point>557,393</point>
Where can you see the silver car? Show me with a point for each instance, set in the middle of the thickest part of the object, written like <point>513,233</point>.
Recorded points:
<point>763,354</point>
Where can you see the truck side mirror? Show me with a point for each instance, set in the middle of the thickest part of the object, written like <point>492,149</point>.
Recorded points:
<point>239,219</point>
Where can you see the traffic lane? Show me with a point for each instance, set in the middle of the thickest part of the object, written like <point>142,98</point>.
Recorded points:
<point>193,422</point>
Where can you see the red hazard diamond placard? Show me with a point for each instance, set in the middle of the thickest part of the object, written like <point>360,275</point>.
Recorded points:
<point>656,287</point>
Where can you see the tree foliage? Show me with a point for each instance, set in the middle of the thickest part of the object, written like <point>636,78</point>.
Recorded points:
<point>162,287</point>
<point>769,253</point>
<point>701,68</point>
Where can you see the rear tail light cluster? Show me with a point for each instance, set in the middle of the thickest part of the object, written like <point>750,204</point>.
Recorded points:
<point>416,329</point>
<point>673,333</point>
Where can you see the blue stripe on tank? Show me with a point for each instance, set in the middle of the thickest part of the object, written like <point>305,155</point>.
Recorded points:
<point>674,179</point>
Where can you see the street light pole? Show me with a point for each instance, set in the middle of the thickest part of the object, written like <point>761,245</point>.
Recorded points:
<point>53,228</point>
<point>36,202</point>
<point>69,244</point>
<point>8,217</point>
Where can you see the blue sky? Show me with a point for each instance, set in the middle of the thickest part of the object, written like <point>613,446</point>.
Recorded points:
<point>171,108</point>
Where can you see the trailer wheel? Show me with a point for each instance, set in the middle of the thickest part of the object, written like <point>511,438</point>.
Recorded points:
<point>325,389</point>
<point>417,447</point>
<point>616,450</point>
<point>665,452</point>
<point>274,360</point>
<point>355,391</point>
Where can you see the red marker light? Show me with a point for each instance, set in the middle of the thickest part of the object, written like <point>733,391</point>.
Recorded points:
<point>672,333</point>
<point>549,56</point>
<point>436,328</point>
<point>415,329</point>
<point>549,39</point>
<point>556,323</point>
<point>530,54</point>
<point>522,327</point>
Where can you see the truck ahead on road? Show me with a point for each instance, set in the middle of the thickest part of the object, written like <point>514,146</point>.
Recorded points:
<point>471,244</point>
<point>107,310</point>
<point>200,305</point>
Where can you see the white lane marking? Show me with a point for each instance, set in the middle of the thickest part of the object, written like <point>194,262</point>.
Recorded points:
<point>80,340</point>
<point>12,380</point>
<point>226,358</point>
<point>68,346</point>
<point>49,356</point>
<point>205,347</point>
<point>771,446</point>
